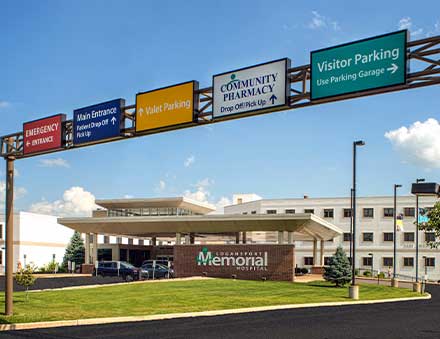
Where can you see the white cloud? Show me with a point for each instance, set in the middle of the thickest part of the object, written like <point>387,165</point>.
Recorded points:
<point>406,23</point>
<point>319,21</point>
<point>75,202</point>
<point>202,194</point>
<point>189,161</point>
<point>54,162</point>
<point>419,143</point>
<point>128,196</point>
<point>4,104</point>
<point>162,185</point>
<point>18,193</point>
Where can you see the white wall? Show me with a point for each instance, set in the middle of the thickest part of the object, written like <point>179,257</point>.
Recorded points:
<point>378,225</point>
<point>38,237</point>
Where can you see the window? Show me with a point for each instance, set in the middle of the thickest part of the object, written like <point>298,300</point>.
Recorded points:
<point>1,231</point>
<point>271,211</point>
<point>328,212</point>
<point>408,236</point>
<point>347,212</point>
<point>430,262</point>
<point>409,211</point>
<point>244,213</point>
<point>309,210</point>
<point>368,236</point>
<point>1,257</point>
<point>387,261</point>
<point>289,211</point>
<point>327,261</point>
<point>308,261</point>
<point>388,236</point>
<point>367,261</point>
<point>347,236</point>
<point>388,212</point>
<point>254,212</point>
<point>368,213</point>
<point>429,236</point>
<point>408,262</point>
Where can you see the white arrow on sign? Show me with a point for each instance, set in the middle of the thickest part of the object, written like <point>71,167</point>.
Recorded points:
<point>393,68</point>
<point>113,120</point>
<point>141,111</point>
<point>27,143</point>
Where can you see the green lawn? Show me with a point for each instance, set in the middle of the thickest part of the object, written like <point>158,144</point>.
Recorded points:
<point>178,296</point>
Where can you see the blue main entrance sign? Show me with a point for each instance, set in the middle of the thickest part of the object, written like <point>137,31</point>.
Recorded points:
<point>97,122</point>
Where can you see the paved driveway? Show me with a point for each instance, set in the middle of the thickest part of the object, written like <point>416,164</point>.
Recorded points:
<point>415,319</point>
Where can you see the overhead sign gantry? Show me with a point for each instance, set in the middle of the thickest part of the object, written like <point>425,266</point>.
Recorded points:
<point>366,67</point>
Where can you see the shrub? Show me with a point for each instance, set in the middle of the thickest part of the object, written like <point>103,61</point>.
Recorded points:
<point>367,274</point>
<point>25,277</point>
<point>381,275</point>
<point>304,270</point>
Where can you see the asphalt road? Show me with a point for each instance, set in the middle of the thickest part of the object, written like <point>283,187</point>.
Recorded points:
<point>415,319</point>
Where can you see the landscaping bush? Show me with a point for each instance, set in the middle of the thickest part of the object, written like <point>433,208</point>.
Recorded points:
<point>367,274</point>
<point>381,275</point>
<point>51,267</point>
<point>25,277</point>
<point>304,270</point>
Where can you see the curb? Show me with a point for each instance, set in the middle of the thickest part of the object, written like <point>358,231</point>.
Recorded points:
<point>101,321</point>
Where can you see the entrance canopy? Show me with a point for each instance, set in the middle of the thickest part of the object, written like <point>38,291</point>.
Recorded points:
<point>304,226</point>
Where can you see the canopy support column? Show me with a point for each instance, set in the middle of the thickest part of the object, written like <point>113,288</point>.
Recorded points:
<point>315,252</point>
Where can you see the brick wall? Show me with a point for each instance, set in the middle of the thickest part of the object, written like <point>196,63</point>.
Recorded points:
<point>280,261</point>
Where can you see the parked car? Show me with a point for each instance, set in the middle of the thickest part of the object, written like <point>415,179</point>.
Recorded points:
<point>110,269</point>
<point>160,262</point>
<point>159,271</point>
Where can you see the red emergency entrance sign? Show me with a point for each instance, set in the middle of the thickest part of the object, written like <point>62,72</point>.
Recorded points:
<point>43,134</point>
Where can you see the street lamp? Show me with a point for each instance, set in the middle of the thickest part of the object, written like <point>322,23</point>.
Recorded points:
<point>419,180</point>
<point>371,255</point>
<point>351,226</point>
<point>353,261</point>
<point>395,230</point>
<point>425,258</point>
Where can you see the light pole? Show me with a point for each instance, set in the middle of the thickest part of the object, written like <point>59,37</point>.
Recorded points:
<point>395,230</point>
<point>351,226</point>
<point>371,255</point>
<point>417,231</point>
<point>353,260</point>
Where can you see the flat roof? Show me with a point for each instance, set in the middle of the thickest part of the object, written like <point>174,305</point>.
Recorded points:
<point>305,226</point>
<point>174,202</point>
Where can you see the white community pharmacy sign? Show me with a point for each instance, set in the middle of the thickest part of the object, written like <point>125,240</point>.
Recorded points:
<point>255,88</point>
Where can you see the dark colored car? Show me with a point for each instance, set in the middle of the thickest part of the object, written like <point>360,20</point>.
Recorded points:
<point>159,271</point>
<point>110,269</point>
<point>160,262</point>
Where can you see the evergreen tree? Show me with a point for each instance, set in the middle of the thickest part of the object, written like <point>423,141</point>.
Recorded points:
<point>75,251</point>
<point>339,269</point>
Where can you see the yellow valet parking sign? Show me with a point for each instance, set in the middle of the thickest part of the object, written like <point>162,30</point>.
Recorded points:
<point>168,106</point>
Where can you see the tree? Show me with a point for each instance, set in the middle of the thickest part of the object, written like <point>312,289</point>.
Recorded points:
<point>25,277</point>
<point>74,251</point>
<point>433,225</point>
<point>339,269</point>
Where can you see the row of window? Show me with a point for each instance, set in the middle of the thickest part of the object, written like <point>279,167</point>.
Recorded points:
<point>389,236</point>
<point>161,211</point>
<point>386,261</point>
<point>367,212</point>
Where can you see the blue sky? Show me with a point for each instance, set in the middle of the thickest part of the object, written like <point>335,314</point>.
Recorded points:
<point>58,56</point>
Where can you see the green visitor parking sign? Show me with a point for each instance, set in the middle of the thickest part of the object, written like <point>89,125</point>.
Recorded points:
<point>358,66</point>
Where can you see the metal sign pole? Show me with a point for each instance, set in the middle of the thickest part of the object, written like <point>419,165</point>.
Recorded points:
<point>9,286</point>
